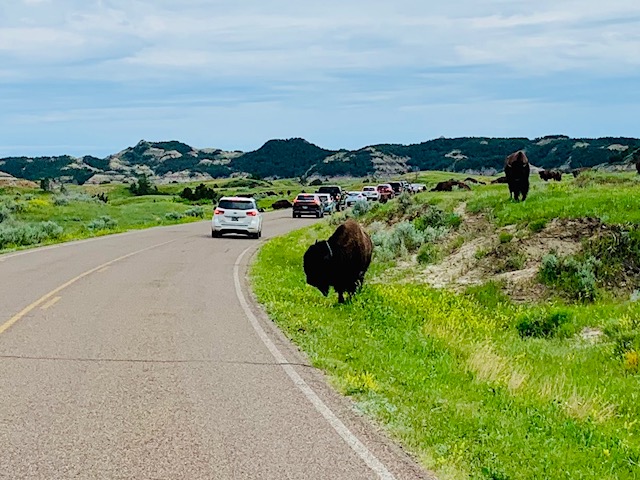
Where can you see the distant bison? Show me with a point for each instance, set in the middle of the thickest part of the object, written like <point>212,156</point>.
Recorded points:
<point>473,180</point>
<point>638,166</point>
<point>577,171</point>
<point>500,180</point>
<point>516,169</point>
<point>448,186</point>
<point>550,175</point>
<point>279,204</point>
<point>339,262</point>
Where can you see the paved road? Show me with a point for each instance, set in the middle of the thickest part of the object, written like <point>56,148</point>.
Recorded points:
<point>143,356</point>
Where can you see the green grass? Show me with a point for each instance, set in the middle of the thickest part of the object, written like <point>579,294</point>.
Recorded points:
<point>473,384</point>
<point>613,202</point>
<point>78,218</point>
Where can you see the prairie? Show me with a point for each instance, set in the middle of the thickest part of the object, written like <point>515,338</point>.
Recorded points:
<point>490,378</point>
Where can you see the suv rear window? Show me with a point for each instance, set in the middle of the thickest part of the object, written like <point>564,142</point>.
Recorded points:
<point>236,204</point>
<point>306,198</point>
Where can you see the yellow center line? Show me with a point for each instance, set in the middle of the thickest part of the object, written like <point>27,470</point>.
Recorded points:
<point>6,325</point>
<point>50,303</point>
<point>103,269</point>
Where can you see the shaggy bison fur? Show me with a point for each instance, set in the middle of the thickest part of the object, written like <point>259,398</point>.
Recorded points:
<point>339,262</point>
<point>516,169</point>
<point>550,175</point>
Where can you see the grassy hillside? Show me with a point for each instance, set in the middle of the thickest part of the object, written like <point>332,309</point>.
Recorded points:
<point>500,377</point>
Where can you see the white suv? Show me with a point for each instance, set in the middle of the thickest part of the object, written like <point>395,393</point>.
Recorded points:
<point>371,192</point>
<point>236,215</point>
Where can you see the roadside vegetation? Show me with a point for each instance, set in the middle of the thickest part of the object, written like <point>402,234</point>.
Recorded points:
<point>529,368</point>
<point>493,339</point>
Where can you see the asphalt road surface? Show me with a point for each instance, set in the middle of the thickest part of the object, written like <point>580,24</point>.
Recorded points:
<point>143,356</point>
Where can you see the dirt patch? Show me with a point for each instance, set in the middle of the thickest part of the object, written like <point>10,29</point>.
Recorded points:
<point>509,256</point>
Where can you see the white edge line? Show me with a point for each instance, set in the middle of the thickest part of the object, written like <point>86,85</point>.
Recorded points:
<point>356,445</point>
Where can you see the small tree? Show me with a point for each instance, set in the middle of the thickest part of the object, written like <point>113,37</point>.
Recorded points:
<point>143,186</point>
<point>45,184</point>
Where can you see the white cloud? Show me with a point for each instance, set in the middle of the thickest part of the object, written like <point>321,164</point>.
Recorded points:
<point>68,60</point>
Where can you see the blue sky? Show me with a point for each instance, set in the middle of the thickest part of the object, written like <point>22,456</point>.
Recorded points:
<point>95,76</point>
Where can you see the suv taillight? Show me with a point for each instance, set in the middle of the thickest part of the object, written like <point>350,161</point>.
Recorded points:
<point>218,211</point>
<point>252,213</point>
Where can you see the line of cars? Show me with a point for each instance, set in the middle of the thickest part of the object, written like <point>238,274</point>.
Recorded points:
<point>241,214</point>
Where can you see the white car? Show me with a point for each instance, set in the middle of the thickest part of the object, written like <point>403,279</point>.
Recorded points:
<point>353,197</point>
<point>418,187</point>
<point>236,215</point>
<point>371,192</point>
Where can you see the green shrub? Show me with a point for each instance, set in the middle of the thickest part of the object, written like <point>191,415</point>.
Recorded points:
<point>173,215</point>
<point>541,324</point>
<point>432,216</point>
<point>360,208</point>
<point>537,225</point>
<point>22,234</point>
<point>574,275</point>
<point>505,237</point>
<point>5,213</point>
<point>428,253</point>
<point>102,223</point>
<point>197,211</point>
<point>66,198</point>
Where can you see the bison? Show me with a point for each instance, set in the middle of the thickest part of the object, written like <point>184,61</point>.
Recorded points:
<point>516,169</point>
<point>339,262</point>
<point>638,166</point>
<point>278,204</point>
<point>577,171</point>
<point>473,180</point>
<point>448,186</point>
<point>550,175</point>
<point>500,180</point>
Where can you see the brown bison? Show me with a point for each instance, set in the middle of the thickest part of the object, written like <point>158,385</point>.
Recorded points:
<point>339,262</point>
<point>500,180</point>
<point>638,166</point>
<point>577,171</point>
<point>448,186</point>
<point>550,175</point>
<point>278,204</point>
<point>473,180</point>
<point>516,169</point>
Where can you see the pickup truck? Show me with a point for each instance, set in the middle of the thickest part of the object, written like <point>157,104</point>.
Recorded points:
<point>336,193</point>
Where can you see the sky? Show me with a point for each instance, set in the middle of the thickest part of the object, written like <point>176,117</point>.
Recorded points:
<point>92,77</point>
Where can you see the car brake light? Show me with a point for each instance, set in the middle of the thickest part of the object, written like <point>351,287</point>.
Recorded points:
<point>252,213</point>
<point>218,211</point>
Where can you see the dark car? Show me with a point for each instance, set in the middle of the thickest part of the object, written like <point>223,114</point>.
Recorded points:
<point>397,187</point>
<point>308,204</point>
<point>336,193</point>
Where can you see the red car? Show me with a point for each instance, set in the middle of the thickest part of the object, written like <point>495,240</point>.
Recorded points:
<point>385,191</point>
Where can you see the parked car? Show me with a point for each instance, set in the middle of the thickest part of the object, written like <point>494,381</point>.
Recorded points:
<point>307,204</point>
<point>353,197</point>
<point>397,187</point>
<point>236,215</point>
<point>385,191</point>
<point>417,187</point>
<point>328,204</point>
<point>371,193</point>
<point>336,193</point>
